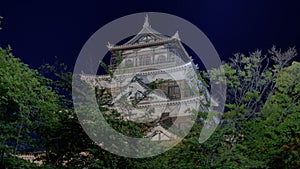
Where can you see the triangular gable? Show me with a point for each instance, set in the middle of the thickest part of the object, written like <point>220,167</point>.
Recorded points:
<point>159,133</point>
<point>147,34</point>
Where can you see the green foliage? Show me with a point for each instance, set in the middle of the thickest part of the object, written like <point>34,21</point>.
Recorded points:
<point>115,61</point>
<point>281,120</point>
<point>251,79</point>
<point>246,138</point>
<point>106,68</point>
<point>26,105</point>
<point>13,162</point>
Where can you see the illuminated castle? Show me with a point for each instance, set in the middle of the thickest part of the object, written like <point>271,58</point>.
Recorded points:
<point>153,78</point>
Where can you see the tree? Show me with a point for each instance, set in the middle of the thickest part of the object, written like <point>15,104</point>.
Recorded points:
<point>250,83</point>
<point>278,131</point>
<point>27,104</point>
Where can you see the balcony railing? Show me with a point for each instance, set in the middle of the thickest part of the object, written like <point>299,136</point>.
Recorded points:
<point>156,66</point>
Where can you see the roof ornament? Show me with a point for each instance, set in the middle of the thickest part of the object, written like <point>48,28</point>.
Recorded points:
<point>109,46</point>
<point>146,23</point>
<point>176,36</point>
<point>191,58</point>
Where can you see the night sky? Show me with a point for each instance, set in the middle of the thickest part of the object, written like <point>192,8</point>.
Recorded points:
<point>39,31</point>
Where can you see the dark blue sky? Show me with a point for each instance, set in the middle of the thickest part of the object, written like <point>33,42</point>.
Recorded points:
<point>39,31</point>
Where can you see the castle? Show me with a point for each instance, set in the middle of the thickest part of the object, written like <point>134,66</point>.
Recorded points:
<point>152,77</point>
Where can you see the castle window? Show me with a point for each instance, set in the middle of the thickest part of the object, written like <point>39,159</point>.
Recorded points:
<point>171,58</point>
<point>128,63</point>
<point>147,60</point>
<point>161,59</point>
<point>174,92</point>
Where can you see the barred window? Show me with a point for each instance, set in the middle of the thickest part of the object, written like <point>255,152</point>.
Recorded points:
<point>171,58</point>
<point>161,59</point>
<point>147,60</point>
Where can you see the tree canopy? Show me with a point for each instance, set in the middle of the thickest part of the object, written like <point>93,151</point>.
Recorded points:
<point>26,105</point>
